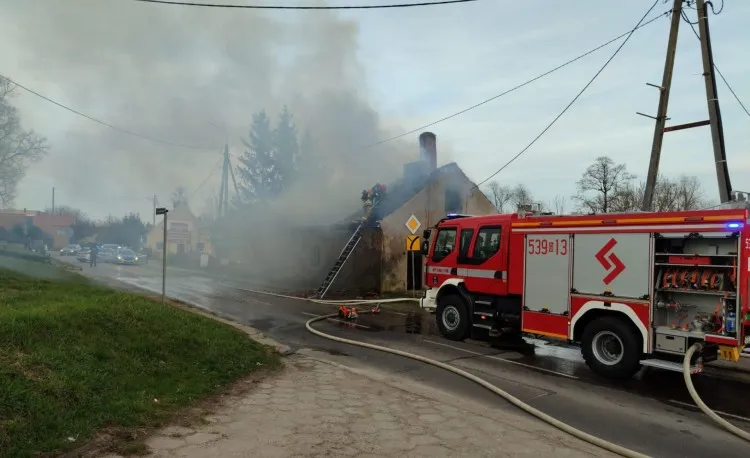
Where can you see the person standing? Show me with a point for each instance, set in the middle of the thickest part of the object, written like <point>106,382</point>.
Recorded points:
<point>92,256</point>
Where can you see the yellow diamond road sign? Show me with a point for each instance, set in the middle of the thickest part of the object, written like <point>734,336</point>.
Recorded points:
<point>413,224</point>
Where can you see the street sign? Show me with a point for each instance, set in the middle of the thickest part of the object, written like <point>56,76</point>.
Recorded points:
<point>412,243</point>
<point>413,224</point>
<point>161,211</point>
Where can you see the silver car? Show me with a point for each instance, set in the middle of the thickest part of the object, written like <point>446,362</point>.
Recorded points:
<point>70,250</point>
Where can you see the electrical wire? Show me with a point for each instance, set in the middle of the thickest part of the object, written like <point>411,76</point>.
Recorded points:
<point>556,118</point>
<point>99,121</point>
<point>278,7</point>
<point>515,88</point>
<point>210,174</point>
<point>718,72</point>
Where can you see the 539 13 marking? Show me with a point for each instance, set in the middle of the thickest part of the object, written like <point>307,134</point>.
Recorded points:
<point>543,247</point>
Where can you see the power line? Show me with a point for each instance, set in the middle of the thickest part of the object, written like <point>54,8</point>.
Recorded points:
<point>99,121</point>
<point>278,7</point>
<point>210,174</point>
<point>515,88</point>
<point>591,81</point>
<point>721,75</point>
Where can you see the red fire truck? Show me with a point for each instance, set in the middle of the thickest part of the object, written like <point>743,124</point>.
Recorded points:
<point>635,289</point>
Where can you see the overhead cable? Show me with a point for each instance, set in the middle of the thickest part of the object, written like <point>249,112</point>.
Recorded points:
<point>280,7</point>
<point>515,88</point>
<point>103,123</point>
<point>580,93</point>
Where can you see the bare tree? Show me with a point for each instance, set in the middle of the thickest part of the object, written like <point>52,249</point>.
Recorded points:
<point>179,197</point>
<point>557,205</point>
<point>210,208</point>
<point>690,194</point>
<point>19,148</point>
<point>499,195</point>
<point>520,196</point>
<point>600,184</point>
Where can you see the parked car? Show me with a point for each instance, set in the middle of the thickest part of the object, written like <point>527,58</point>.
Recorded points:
<point>70,250</point>
<point>107,254</point>
<point>126,256</point>
<point>84,254</point>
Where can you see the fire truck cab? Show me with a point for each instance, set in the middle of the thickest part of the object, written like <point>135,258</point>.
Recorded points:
<point>634,289</point>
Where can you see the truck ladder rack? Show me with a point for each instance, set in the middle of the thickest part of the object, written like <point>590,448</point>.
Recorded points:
<point>343,257</point>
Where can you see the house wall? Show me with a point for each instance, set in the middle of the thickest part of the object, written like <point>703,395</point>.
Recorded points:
<point>299,258</point>
<point>197,235</point>
<point>429,206</point>
<point>359,275</point>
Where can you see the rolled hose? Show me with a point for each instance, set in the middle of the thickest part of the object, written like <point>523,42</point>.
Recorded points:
<point>742,434</point>
<point>577,433</point>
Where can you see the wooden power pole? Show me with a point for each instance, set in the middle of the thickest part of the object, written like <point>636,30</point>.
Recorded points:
<point>660,128</point>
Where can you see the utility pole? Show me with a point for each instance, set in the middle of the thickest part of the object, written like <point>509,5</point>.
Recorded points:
<point>714,113</point>
<point>53,200</point>
<point>224,188</point>
<point>661,111</point>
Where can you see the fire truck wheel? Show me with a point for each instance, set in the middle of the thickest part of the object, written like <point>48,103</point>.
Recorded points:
<point>611,348</point>
<point>452,318</point>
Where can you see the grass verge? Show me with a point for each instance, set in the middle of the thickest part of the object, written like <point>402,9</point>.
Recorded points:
<point>77,359</point>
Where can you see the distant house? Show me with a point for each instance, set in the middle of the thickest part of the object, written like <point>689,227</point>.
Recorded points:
<point>381,262</point>
<point>56,228</point>
<point>185,234</point>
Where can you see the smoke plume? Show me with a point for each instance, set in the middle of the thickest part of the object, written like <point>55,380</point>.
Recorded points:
<point>172,72</point>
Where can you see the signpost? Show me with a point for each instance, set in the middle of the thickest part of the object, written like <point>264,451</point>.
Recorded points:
<point>412,245</point>
<point>413,224</point>
<point>163,211</point>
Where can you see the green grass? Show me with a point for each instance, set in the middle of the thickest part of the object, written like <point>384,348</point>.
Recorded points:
<point>76,359</point>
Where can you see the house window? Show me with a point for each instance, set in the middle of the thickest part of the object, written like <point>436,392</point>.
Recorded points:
<point>452,201</point>
<point>159,245</point>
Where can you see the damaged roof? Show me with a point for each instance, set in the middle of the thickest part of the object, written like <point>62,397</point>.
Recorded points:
<point>402,191</point>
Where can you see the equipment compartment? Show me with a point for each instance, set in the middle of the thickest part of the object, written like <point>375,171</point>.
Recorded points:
<point>671,343</point>
<point>695,287</point>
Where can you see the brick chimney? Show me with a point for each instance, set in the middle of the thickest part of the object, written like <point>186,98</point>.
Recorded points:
<point>428,150</point>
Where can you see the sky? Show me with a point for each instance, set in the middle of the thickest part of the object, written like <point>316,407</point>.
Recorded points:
<point>195,76</point>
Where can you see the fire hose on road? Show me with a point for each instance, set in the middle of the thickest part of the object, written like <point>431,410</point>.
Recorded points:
<point>742,434</point>
<point>562,426</point>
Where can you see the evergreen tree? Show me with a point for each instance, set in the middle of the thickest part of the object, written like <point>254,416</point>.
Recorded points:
<point>271,158</point>
<point>258,175</point>
<point>286,147</point>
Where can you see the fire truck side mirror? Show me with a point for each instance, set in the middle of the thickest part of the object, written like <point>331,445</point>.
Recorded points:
<point>426,234</point>
<point>425,247</point>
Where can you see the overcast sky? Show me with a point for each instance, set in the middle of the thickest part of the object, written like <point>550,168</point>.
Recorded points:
<point>353,78</point>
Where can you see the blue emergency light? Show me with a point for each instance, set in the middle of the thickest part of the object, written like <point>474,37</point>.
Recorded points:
<point>734,225</point>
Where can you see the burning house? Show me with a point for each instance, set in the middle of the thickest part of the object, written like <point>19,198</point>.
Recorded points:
<point>376,250</point>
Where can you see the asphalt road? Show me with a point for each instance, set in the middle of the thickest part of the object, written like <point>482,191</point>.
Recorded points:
<point>653,415</point>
